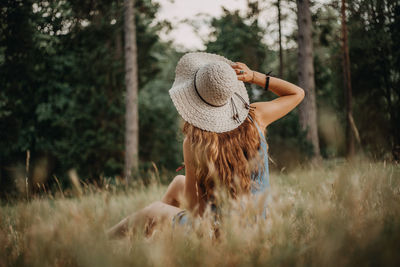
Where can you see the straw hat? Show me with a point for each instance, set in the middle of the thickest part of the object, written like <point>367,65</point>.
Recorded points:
<point>207,93</point>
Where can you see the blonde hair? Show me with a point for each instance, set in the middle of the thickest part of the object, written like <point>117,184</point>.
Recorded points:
<point>225,159</point>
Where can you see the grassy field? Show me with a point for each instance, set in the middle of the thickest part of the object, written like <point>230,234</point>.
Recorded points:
<point>341,214</point>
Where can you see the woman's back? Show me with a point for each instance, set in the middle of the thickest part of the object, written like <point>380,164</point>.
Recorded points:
<point>236,161</point>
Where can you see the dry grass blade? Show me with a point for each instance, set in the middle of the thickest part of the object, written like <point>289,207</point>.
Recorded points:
<point>340,215</point>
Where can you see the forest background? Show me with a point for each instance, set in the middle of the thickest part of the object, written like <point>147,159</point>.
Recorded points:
<point>62,85</point>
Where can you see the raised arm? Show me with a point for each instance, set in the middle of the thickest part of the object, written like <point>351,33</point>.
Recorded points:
<point>267,112</point>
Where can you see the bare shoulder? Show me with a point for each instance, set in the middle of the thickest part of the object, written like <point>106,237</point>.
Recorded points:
<point>258,117</point>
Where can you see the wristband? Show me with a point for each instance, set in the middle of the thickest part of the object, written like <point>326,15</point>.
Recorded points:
<point>267,81</point>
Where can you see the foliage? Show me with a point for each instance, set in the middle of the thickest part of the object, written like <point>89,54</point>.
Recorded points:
<point>235,38</point>
<point>375,66</point>
<point>161,137</point>
<point>328,80</point>
<point>62,83</point>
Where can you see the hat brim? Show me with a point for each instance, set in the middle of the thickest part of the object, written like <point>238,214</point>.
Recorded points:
<point>193,109</point>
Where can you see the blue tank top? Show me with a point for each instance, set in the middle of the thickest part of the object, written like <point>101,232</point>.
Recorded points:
<point>260,179</point>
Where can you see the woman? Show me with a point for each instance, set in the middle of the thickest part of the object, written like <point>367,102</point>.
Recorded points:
<point>224,145</point>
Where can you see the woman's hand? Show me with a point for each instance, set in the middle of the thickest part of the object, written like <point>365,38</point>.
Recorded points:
<point>243,72</point>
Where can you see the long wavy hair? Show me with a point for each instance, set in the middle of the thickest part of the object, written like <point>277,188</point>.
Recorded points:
<point>228,160</point>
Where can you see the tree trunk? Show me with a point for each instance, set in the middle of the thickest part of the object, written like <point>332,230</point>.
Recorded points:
<point>308,108</point>
<point>278,5</point>
<point>118,33</point>
<point>347,86</point>
<point>131,83</point>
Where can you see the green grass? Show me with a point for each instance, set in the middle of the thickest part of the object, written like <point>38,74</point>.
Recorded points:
<point>341,214</point>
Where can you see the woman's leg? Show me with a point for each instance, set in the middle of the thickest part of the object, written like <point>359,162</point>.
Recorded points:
<point>145,218</point>
<point>174,193</point>
<point>153,213</point>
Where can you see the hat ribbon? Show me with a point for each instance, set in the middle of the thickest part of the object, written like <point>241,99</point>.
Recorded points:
<point>235,110</point>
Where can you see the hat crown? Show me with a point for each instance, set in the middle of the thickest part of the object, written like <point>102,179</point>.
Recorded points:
<point>215,83</point>
<point>207,93</point>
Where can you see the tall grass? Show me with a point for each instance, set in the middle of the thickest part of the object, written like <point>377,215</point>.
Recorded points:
<point>344,214</point>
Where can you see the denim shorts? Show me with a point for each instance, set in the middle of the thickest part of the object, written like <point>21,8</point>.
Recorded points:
<point>181,218</point>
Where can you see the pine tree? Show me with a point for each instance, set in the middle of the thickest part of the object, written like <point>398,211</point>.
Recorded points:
<point>308,108</point>
<point>131,83</point>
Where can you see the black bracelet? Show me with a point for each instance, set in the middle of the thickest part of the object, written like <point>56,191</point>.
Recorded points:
<point>267,81</point>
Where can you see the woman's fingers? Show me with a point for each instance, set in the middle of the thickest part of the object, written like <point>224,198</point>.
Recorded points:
<point>235,67</point>
<point>241,77</point>
<point>240,71</point>
<point>239,65</point>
